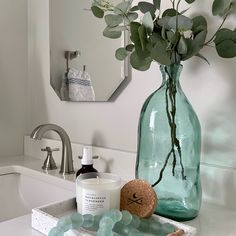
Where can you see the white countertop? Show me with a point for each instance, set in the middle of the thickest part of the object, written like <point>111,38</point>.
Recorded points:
<point>213,220</point>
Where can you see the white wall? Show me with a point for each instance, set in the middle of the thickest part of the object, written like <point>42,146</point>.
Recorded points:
<point>211,89</point>
<point>13,76</point>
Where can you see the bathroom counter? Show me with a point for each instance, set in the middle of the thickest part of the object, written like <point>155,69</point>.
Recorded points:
<point>214,220</point>
<point>30,163</point>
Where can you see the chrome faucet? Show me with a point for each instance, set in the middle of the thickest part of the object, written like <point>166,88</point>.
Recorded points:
<point>66,158</point>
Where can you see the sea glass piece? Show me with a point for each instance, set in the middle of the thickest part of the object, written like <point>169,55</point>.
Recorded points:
<point>135,221</point>
<point>104,232</point>
<point>135,233</point>
<point>64,224</point>
<point>155,227</point>
<point>106,223</point>
<point>55,232</point>
<point>144,225</point>
<point>126,218</point>
<point>114,214</point>
<point>168,228</point>
<point>124,229</point>
<point>77,220</point>
<point>88,221</point>
<point>97,219</point>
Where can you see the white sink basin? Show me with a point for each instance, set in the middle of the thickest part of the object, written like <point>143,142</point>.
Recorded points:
<point>22,189</point>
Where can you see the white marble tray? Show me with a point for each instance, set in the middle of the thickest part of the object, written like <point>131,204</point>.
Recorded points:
<point>45,218</point>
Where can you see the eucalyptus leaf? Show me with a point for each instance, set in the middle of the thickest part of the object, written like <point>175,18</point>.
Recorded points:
<point>160,54</point>
<point>134,8</point>
<point>189,1</point>
<point>182,47</point>
<point>121,54</point>
<point>147,21</point>
<point>170,12</point>
<point>199,41</point>
<point>134,32</point>
<point>117,28</point>
<point>226,49</point>
<point>98,12</point>
<point>122,8</point>
<point>199,24</point>
<point>147,7</point>
<point>225,34</point>
<point>172,37</point>
<point>154,38</point>
<point>129,47</point>
<point>113,20</point>
<point>225,42</point>
<point>111,34</point>
<point>163,22</point>
<point>202,57</point>
<point>220,7</point>
<point>135,38</point>
<point>163,32</point>
<point>157,4</point>
<point>180,22</point>
<point>138,63</point>
<point>142,36</point>
<point>132,16</point>
<point>195,45</point>
<point>149,46</point>
<point>190,51</point>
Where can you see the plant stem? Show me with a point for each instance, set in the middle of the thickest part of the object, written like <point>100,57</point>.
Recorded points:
<point>213,37</point>
<point>173,3</point>
<point>170,94</point>
<point>163,168</point>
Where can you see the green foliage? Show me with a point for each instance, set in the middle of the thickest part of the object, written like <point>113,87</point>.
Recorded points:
<point>113,20</point>
<point>220,7</point>
<point>225,42</point>
<point>167,38</point>
<point>121,54</point>
<point>157,4</point>
<point>98,12</point>
<point>112,34</point>
<point>180,23</point>
<point>148,22</point>
<point>147,7</point>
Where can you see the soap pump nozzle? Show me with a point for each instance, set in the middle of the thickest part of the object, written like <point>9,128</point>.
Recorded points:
<point>86,161</point>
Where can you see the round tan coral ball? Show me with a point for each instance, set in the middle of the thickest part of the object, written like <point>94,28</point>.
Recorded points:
<point>139,198</point>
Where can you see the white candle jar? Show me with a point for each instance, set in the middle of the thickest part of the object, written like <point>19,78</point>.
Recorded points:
<point>96,193</point>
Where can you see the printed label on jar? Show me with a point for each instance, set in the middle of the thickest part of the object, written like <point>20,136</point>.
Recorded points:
<point>95,202</point>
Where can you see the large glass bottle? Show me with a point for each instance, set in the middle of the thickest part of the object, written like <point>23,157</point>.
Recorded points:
<point>169,147</point>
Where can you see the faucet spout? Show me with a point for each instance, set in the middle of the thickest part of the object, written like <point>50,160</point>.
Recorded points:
<point>66,159</point>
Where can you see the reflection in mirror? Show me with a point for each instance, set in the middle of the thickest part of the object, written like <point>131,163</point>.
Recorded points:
<point>82,61</point>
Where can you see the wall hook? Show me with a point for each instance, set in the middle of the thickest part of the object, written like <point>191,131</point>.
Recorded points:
<point>70,55</point>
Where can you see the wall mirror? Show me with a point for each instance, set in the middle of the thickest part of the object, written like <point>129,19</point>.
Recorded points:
<point>83,66</point>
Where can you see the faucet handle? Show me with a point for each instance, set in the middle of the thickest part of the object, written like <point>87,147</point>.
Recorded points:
<point>49,150</point>
<point>49,163</point>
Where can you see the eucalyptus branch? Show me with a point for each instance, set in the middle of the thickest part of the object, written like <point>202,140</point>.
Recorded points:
<point>214,35</point>
<point>177,7</point>
<point>173,3</point>
<point>163,169</point>
<point>170,95</point>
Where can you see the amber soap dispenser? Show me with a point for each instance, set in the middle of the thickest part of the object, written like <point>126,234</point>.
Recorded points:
<point>86,162</point>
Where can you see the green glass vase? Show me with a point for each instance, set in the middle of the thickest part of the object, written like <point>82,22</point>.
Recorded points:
<point>169,147</point>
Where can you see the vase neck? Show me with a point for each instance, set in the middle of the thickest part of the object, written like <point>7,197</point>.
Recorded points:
<point>171,72</point>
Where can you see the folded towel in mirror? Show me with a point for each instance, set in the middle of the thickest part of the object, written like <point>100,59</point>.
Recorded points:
<point>79,86</point>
